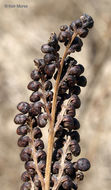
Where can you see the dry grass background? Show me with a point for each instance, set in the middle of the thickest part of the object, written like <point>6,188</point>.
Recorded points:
<point>22,32</point>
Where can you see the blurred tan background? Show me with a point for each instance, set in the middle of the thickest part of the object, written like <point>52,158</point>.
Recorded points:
<point>22,32</point>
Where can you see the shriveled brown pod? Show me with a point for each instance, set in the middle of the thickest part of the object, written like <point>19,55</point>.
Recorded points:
<point>69,156</point>
<point>80,176</point>
<point>25,176</point>
<point>71,110</point>
<point>42,165</point>
<point>75,148</point>
<point>40,64</point>
<point>68,122</point>
<point>56,167</point>
<point>75,101</point>
<point>36,181</point>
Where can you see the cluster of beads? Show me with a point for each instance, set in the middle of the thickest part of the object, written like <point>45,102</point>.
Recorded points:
<point>33,116</point>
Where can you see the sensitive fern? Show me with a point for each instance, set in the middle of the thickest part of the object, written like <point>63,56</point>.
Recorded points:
<point>56,84</point>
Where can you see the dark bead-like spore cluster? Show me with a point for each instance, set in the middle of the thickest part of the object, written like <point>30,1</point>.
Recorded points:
<point>34,115</point>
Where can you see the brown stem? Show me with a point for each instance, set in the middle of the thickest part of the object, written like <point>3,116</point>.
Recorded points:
<point>52,121</point>
<point>61,114</point>
<point>62,163</point>
<point>32,184</point>
<point>35,158</point>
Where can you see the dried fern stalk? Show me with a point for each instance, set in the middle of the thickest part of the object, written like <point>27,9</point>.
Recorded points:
<point>54,106</point>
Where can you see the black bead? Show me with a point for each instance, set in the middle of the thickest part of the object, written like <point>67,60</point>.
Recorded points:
<point>41,155</point>
<point>60,132</point>
<point>23,141</point>
<point>20,119</point>
<point>39,144</point>
<point>49,57</point>
<point>68,169</point>
<point>83,164</point>
<point>81,81</point>
<point>67,182</point>
<point>42,166</point>
<point>30,166</point>
<point>75,101</point>
<point>56,167</point>
<point>23,107</point>
<point>26,186</point>
<point>34,85</point>
<point>71,110</point>
<point>25,176</point>
<point>35,75</point>
<point>65,35</point>
<point>25,154</point>
<point>35,96</point>
<point>71,80</point>
<point>59,143</point>
<point>76,24</point>
<point>35,108</point>
<point>57,154</point>
<point>37,182</point>
<point>75,136</point>
<point>87,21</point>
<point>53,41</point>
<point>48,85</point>
<point>49,69</point>
<point>83,32</point>
<point>22,130</point>
<point>42,120</point>
<point>37,133</point>
<point>68,122</point>
<point>40,64</point>
<point>45,48</point>
<point>75,90</point>
<point>75,70</point>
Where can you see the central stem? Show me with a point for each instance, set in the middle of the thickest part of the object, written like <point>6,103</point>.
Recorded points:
<point>52,121</point>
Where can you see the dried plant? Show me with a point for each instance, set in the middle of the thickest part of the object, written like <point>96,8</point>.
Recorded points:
<point>56,85</point>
